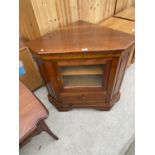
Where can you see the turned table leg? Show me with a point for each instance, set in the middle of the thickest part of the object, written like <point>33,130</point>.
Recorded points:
<point>42,126</point>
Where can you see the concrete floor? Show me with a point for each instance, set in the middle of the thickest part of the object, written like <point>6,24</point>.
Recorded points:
<point>89,131</point>
<point>131,150</point>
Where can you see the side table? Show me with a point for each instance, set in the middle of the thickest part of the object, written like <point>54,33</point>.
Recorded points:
<point>31,116</point>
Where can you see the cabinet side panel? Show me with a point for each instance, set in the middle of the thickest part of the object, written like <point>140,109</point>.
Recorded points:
<point>112,77</point>
<point>44,74</point>
<point>52,77</point>
<point>131,56</point>
<point>121,70</point>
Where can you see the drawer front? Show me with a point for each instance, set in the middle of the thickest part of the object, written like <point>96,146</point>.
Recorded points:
<point>83,98</point>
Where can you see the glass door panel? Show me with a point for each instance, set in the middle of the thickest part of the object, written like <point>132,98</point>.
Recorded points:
<point>82,75</point>
<point>83,81</point>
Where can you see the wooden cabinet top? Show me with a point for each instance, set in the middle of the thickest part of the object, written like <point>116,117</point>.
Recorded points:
<point>128,13</point>
<point>81,36</point>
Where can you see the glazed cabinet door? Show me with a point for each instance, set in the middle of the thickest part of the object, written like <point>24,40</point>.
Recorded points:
<point>78,82</point>
<point>83,74</point>
<point>82,81</point>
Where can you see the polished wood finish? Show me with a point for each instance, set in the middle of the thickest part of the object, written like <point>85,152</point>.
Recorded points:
<point>123,26</point>
<point>31,116</point>
<point>128,14</point>
<point>94,58</point>
<point>74,40</point>
<point>31,78</point>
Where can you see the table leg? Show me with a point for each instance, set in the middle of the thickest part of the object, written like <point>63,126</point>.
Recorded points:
<point>42,126</point>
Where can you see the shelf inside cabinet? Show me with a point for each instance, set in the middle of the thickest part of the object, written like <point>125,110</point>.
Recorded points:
<point>82,70</point>
<point>83,81</point>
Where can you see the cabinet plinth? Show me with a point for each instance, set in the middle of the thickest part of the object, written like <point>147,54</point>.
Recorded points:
<point>83,65</point>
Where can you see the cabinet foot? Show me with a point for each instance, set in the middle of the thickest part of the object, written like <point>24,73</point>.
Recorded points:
<point>63,109</point>
<point>103,109</point>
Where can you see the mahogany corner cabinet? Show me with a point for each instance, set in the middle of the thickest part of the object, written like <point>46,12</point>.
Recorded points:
<point>82,65</point>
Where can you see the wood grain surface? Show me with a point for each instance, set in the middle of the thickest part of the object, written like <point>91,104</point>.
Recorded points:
<point>96,10</point>
<point>90,38</point>
<point>101,45</point>
<point>31,111</point>
<point>123,26</point>
<point>128,14</point>
<point>123,4</point>
<point>28,25</point>
<point>44,16</point>
<point>119,25</point>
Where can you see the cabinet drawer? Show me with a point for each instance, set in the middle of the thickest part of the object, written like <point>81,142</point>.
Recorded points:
<point>83,97</point>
